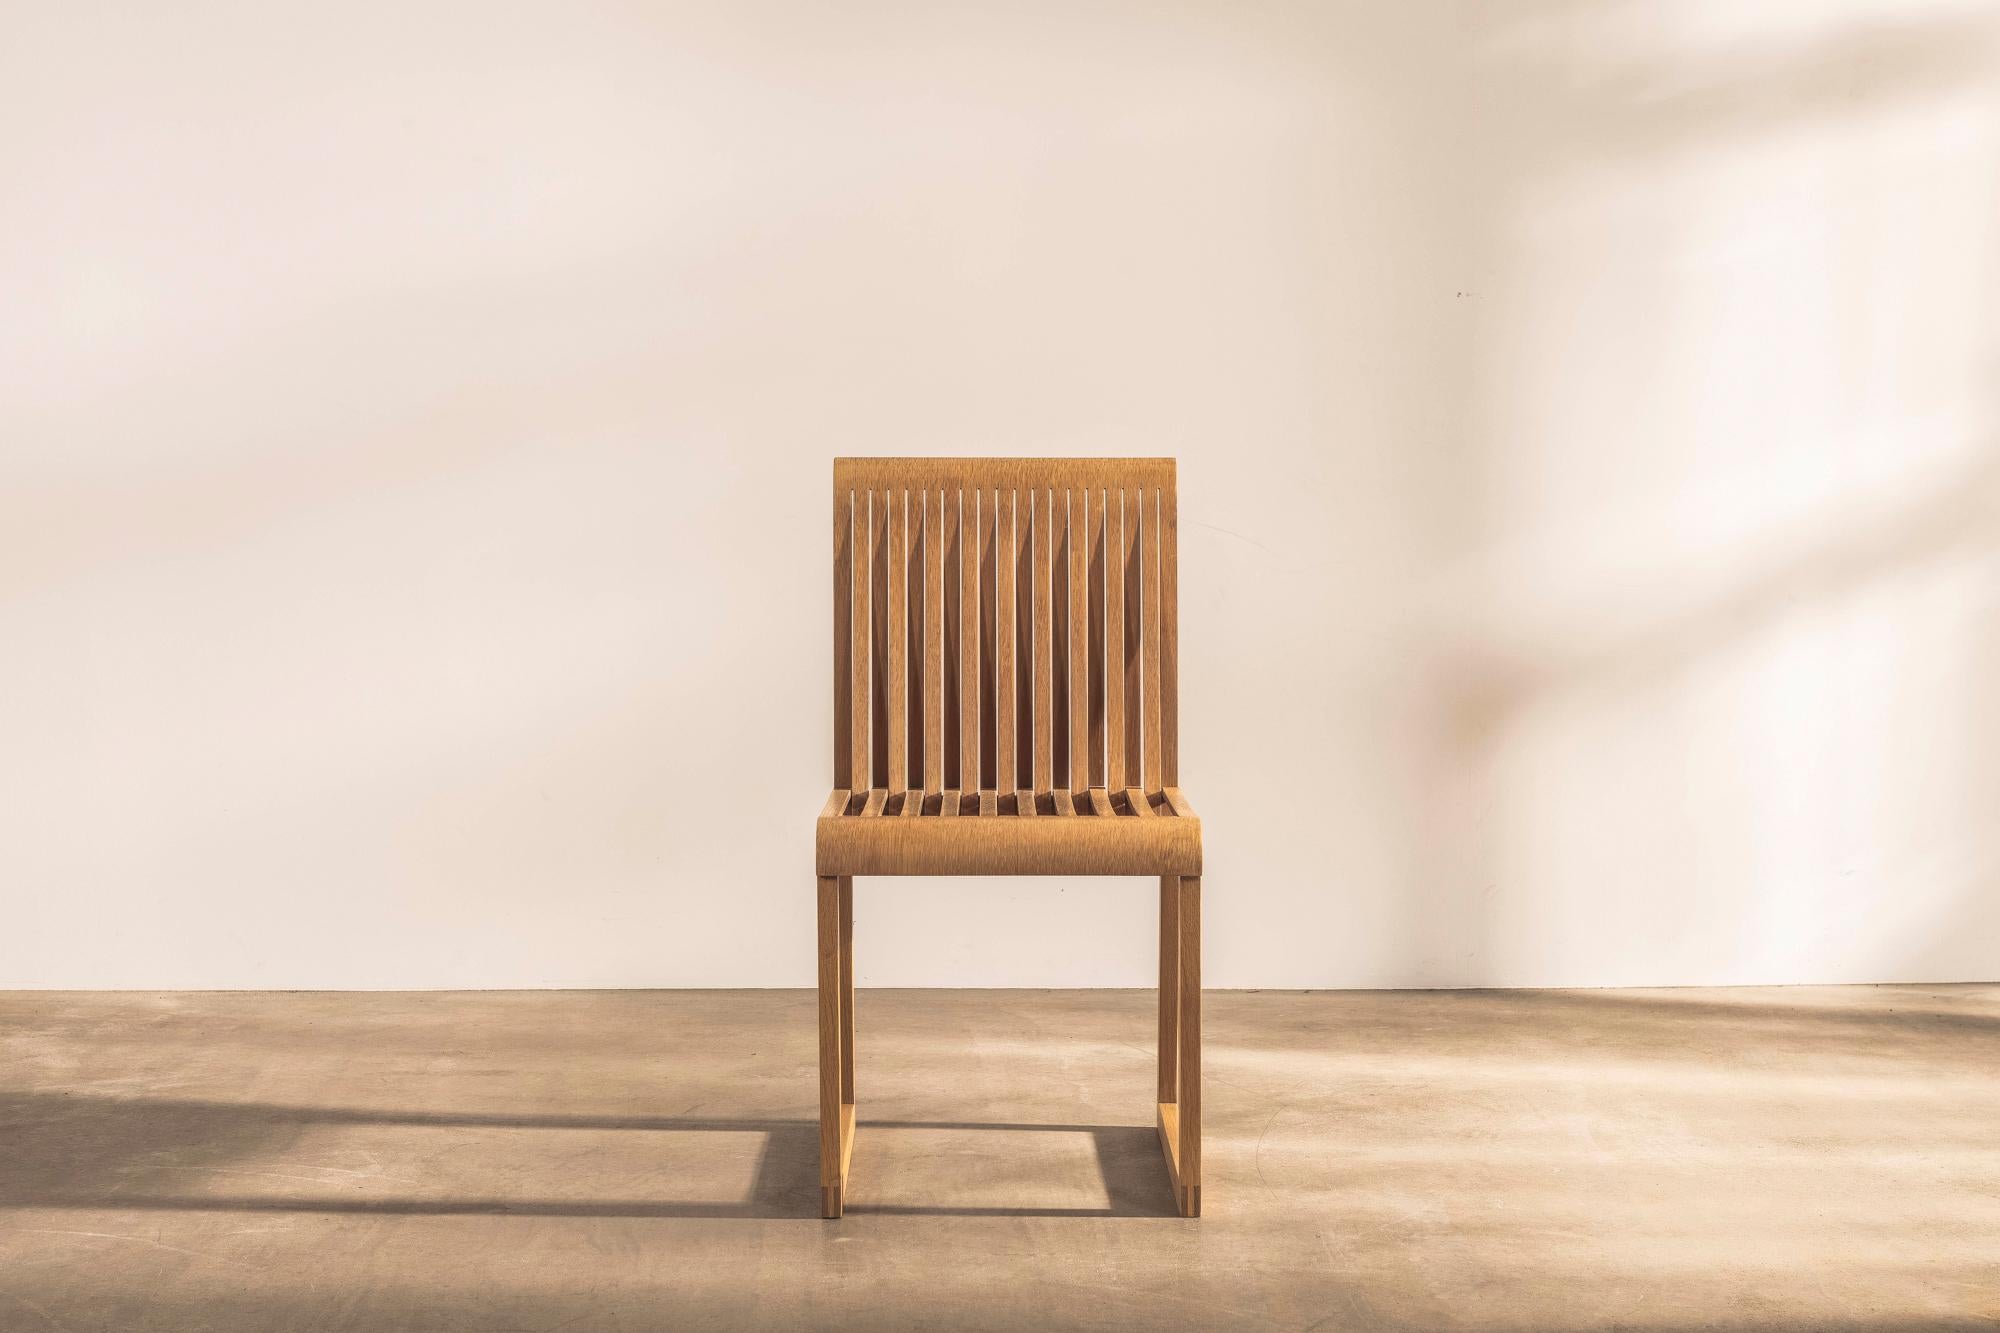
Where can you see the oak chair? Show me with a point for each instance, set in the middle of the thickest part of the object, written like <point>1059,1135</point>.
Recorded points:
<point>1005,702</point>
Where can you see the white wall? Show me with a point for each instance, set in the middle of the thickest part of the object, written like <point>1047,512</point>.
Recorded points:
<point>414,439</point>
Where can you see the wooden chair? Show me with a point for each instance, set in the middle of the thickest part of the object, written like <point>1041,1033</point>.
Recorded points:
<point>1005,703</point>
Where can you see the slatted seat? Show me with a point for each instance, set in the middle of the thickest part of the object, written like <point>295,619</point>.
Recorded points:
<point>1006,703</point>
<point>880,832</point>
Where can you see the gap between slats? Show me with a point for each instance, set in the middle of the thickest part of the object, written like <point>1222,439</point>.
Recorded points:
<point>1092,803</point>
<point>1004,641</point>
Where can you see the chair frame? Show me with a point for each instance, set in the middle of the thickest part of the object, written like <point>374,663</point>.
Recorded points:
<point>1006,703</point>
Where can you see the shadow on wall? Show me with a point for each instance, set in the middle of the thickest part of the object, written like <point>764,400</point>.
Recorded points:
<point>370,466</point>
<point>1714,646</point>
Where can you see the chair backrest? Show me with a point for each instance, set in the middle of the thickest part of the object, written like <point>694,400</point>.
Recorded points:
<point>1004,624</point>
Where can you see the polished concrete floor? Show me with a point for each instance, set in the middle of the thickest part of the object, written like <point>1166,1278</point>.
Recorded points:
<point>1797,1159</point>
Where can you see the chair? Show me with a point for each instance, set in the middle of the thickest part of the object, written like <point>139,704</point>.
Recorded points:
<point>1005,702</point>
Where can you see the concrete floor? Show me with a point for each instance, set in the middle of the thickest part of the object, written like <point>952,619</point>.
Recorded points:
<point>1755,1159</point>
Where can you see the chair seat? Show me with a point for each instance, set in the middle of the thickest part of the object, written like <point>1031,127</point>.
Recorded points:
<point>1094,832</point>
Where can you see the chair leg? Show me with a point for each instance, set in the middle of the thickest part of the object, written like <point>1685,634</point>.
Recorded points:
<point>1188,1186</point>
<point>1180,1037</point>
<point>1170,986</point>
<point>836,1111</point>
<point>847,989</point>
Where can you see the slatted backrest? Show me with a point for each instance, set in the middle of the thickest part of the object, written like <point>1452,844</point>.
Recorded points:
<point>1005,626</point>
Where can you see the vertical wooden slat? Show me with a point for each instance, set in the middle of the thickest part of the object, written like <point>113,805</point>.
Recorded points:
<point>949,683</point>
<point>1170,641</point>
<point>933,639</point>
<point>1024,637</point>
<point>873,717</point>
<point>843,636</point>
<point>1059,760</point>
<point>1114,638</point>
<point>989,635</point>
<point>1135,626</point>
<point>1094,571</point>
<point>861,725</point>
<point>1003,640</point>
<point>895,698</point>
<point>1149,560</point>
<point>1079,639</point>
<point>1044,623</point>
<point>968,641</point>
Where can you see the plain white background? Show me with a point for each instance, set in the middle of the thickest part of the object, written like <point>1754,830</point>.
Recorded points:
<point>415,425</point>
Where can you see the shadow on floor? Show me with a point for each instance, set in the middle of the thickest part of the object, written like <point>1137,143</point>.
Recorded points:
<point>99,1152</point>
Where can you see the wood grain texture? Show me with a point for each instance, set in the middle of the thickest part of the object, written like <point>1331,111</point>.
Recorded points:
<point>830,1180</point>
<point>932,686</point>
<point>1169,708</point>
<point>859,772</point>
<point>1135,618</point>
<point>846,887</point>
<point>949,629</point>
<point>1114,639</point>
<point>970,670</point>
<point>1006,554</point>
<point>843,637</point>
<point>1004,473</point>
<point>1094,571</point>
<point>1059,640</point>
<point>1070,578</point>
<point>1188,1159</point>
<point>1077,776</point>
<point>1002,844</point>
<point>1042,646</point>
<point>987,578</point>
<point>1170,987</point>
<point>878,638</point>
<point>1006,695</point>
<point>1149,574</point>
<point>896,696</point>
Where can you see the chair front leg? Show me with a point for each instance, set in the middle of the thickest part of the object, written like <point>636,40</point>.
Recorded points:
<point>836,1071</point>
<point>1180,1037</point>
<point>1188,1185</point>
<point>847,990</point>
<point>1170,987</point>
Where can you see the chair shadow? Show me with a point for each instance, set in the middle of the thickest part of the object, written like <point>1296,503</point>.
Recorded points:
<point>1129,1161</point>
<point>95,1152</point>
